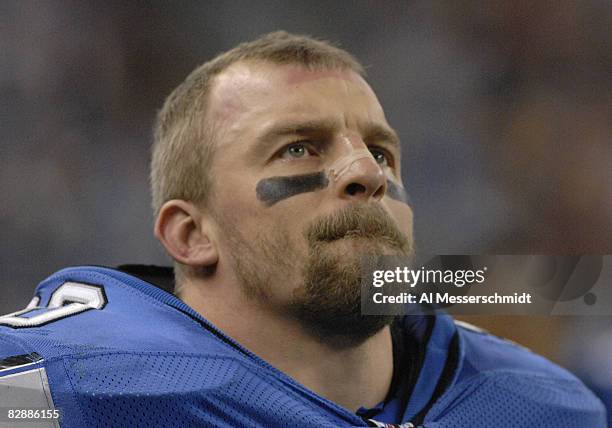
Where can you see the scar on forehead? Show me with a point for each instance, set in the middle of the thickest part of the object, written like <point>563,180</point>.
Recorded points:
<point>275,189</point>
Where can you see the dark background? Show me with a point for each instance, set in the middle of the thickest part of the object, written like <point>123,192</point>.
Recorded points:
<point>504,110</point>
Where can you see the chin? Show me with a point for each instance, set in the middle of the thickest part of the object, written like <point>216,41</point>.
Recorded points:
<point>328,304</point>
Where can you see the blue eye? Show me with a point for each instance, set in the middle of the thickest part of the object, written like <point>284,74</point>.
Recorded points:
<point>297,150</point>
<point>380,157</point>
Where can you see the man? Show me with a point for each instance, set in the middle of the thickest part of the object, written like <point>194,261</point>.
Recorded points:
<point>274,171</point>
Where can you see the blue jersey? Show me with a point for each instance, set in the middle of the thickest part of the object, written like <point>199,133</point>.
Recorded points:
<point>109,349</point>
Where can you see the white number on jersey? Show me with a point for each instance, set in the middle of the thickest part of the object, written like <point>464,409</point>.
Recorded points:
<point>69,299</point>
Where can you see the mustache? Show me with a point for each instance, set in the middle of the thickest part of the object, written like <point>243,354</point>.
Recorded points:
<point>365,221</point>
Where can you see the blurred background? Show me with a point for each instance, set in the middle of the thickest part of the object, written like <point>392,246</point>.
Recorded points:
<point>504,109</point>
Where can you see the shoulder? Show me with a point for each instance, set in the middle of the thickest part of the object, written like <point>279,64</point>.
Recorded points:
<point>95,332</point>
<point>500,381</point>
<point>485,352</point>
<point>84,310</point>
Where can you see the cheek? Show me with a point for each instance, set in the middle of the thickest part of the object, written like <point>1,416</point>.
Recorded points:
<point>403,215</point>
<point>235,204</point>
<point>238,208</point>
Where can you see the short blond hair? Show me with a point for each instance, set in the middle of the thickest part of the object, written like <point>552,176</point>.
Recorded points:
<point>183,149</point>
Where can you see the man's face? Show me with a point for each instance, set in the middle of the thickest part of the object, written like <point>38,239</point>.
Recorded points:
<point>304,167</point>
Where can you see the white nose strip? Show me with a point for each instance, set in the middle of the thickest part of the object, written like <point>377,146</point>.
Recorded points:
<point>342,165</point>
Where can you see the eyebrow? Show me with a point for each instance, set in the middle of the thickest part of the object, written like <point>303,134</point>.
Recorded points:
<point>320,126</point>
<point>370,130</point>
<point>375,131</point>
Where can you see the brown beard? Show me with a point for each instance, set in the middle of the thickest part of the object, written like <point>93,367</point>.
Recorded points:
<point>328,302</point>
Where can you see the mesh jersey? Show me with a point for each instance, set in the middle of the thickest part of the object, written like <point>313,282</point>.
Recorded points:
<point>113,350</point>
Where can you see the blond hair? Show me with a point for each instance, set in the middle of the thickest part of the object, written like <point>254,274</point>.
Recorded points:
<point>184,140</point>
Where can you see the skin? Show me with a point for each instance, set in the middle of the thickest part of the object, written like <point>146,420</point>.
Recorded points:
<point>247,101</point>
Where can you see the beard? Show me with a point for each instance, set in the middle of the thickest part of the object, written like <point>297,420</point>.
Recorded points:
<point>327,299</point>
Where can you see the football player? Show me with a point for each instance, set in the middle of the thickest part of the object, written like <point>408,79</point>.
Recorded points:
<point>274,171</point>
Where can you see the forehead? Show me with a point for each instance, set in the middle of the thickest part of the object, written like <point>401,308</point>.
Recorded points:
<point>265,92</point>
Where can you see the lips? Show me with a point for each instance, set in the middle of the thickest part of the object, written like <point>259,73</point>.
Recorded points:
<point>368,221</point>
<point>356,234</point>
<point>337,235</point>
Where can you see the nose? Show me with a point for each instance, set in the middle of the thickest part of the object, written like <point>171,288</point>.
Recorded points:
<point>362,180</point>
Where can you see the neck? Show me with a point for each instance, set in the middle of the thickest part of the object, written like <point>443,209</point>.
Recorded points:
<point>352,377</point>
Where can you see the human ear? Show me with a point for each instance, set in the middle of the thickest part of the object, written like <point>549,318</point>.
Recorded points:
<point>182,229</point>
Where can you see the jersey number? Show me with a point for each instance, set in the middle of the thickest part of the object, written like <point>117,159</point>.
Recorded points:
<point>69,299</point>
